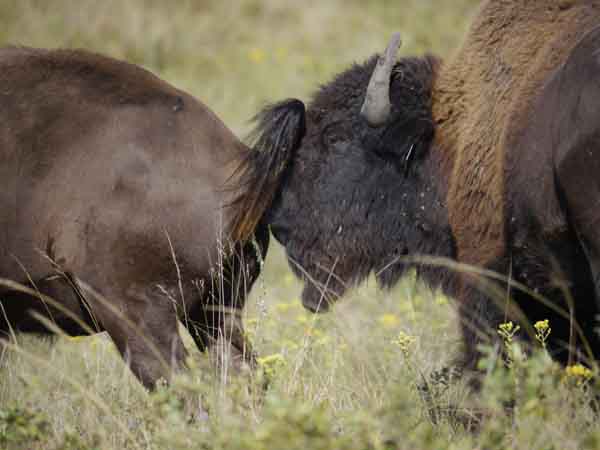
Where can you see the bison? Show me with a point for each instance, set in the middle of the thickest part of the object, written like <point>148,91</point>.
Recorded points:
<point>489,159</point>
<point>116,210</point>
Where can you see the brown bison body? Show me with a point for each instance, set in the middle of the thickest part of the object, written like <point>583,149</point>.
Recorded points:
<point>113,204</point>
<point>482,101</point>
<point>489,159</point>
<point>501,106</point>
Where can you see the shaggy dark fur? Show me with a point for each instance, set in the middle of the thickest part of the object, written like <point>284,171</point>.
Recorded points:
<point>355,199</point>
<point>348,181</point>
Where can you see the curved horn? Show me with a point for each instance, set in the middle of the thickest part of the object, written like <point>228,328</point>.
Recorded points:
<point>376,107</point>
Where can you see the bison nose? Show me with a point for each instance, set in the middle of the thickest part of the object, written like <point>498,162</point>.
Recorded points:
<point>314,300</point>
<point>316,307</point>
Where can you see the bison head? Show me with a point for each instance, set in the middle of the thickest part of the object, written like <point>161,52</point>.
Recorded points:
<point>357,193</point>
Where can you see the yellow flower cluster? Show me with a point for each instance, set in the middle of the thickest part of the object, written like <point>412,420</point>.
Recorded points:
<point>271,363</point>
<point>405,342</point>
<point>508,330</point>
<point>256,55</point>
<point>389,320</point>
<point>579,371</point>
<point>542,331</point>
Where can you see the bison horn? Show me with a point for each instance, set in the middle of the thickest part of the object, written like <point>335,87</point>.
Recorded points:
<point>376,107</point>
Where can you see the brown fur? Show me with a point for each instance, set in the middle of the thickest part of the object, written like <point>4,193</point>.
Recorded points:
<point>482,98</point>
<point>502,200</point>
<point>112,176</point>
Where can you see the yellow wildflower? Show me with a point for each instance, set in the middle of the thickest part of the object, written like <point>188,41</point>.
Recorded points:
<point>313,332</point>
<point>283,307</point>
<point>256,55</point>
<point>441,300</point>
<point>508,330</point>
<point>405,342</point>
<point>301,318</point>
<point>323,340</point>
<point>542,331</point>
<point>542,325</point>
<point>271,363</point>
<point>579,371</point>
<point>275,358</point>
<point>389,320</point>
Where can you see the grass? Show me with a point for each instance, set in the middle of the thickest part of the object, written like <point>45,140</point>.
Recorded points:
<point>365,376</point>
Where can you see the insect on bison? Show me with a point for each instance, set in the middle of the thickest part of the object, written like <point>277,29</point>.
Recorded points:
<point>489,159</point>
<point>116,211</point>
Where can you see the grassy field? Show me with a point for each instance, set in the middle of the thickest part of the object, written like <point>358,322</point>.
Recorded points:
<point>346,380</point>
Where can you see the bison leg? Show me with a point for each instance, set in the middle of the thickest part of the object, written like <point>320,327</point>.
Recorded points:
<point>477,324</point>
<point>481,308</point>
<point>152,351</point>
<point>577,170</point>
<point>145,334</point>
<point>574,93</point>
<point>578,175</point>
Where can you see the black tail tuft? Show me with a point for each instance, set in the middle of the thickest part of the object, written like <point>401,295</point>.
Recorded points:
<point>279,131</point>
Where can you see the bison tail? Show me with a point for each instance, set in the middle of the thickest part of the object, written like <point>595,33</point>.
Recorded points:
<point>278,132</point>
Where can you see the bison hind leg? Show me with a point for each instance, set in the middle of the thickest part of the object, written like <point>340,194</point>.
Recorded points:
<point>145,333</point>
<point>554,267</point>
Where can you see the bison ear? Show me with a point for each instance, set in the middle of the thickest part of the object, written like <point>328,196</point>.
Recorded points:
<point>376,108</point>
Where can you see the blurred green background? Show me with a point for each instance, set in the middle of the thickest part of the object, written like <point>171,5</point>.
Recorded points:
<point>237,55</point>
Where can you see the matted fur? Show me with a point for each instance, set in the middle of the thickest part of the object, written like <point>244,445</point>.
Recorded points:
<point>348,183</point>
